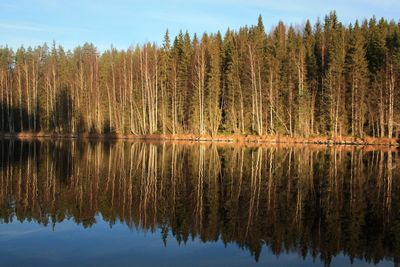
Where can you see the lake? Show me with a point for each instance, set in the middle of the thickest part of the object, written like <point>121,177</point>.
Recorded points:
<point>70,203</point>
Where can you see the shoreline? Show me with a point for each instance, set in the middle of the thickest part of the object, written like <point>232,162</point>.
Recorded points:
<point>231,139</point>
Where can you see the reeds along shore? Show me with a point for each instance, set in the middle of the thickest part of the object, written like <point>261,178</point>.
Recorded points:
<point>235,139</point>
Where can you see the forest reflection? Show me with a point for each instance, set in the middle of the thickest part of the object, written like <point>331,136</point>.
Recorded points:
<point>318,202</point>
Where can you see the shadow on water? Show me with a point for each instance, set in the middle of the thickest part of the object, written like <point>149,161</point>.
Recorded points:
<point>313,202</point>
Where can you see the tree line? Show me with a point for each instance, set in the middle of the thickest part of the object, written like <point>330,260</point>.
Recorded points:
<point>326,79</point>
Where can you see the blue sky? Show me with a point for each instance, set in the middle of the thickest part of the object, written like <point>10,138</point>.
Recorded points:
<point>122,23</point>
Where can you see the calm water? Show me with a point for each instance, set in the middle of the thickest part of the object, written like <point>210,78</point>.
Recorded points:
<point>141,204</point>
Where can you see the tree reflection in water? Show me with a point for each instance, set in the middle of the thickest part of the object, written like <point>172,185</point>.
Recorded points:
<point>319,202</point>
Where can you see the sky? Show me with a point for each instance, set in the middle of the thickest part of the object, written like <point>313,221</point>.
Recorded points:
<point>122,23</point>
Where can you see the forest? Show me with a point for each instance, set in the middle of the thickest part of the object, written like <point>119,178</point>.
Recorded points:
<point>325,79</point>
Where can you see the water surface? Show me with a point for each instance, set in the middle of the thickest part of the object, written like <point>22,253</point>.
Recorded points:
<point>68,203</point>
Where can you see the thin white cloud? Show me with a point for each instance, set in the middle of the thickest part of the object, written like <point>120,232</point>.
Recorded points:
<point>37,28</point>
<point>22,27</point>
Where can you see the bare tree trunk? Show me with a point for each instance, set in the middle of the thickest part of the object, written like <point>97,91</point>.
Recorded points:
<point>156,91</point>
<point>109,108</point>
<point>2,82</point>
<point>20,99</point>
<point>255,105</point>
<point>381,111</point>
<point>391,82</point>
<point>164,101</point>
<point>130,77</point>
<point>28,94</point>
<point>35,77</point>
<point>143,95</point>
<point>174,101</point>
<point>271,103</point>
<point>10,111</point>
<point>200,67</point>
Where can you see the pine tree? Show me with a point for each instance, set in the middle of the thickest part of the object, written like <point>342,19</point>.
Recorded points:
<point>213,98</point>
<point>356,72</point>
<point>165,83</point>
<point>311,77</point>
